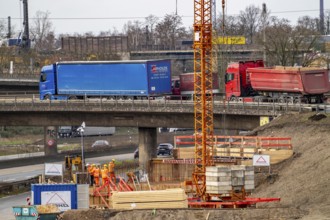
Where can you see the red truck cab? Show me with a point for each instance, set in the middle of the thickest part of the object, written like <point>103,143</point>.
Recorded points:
<point>237,80</point>
<point>176,86</point>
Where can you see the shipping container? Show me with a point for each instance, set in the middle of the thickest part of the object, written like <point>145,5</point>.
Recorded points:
<point>64,196</point>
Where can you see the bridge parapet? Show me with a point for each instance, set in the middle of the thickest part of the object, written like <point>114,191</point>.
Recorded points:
<point>33,104</point>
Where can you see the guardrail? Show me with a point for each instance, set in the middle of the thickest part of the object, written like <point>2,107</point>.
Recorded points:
<point>31,102</point>
<point>6,188</point>
<point>240,147</point>
<point>239,142</point>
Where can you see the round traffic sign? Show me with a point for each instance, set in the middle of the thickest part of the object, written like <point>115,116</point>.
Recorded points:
<point>50,142</point>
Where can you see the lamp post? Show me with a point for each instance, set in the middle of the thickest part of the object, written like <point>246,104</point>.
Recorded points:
<point>81,131</point>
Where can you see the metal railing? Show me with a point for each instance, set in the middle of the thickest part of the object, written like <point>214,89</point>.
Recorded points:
<point>31,102</point>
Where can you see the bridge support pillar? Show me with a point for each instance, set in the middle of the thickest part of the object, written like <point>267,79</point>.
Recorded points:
<point>147,147</point>
<point>50,143</point>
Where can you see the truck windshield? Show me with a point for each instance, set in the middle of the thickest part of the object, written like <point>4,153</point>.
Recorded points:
<point>175,84</point>
<point>229,77</point>
<point>43,77</point>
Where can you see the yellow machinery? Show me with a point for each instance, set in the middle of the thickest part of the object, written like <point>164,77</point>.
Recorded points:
<point>73,164</point>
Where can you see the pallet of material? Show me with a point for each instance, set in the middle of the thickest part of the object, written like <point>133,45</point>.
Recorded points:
<point>155,199</point>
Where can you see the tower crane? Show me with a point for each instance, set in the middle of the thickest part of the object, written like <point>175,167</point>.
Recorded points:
<point>203,97</point>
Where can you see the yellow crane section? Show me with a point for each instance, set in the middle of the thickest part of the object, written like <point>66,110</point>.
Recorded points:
<point>203,97</point>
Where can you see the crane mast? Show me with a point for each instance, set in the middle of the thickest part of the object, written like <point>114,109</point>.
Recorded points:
<point>203,97</point>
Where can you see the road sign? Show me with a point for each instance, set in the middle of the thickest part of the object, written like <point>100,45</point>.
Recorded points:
<point>264,120</point>
<point>261,160</point>
<point>50,142</point>
<point>52,169</point>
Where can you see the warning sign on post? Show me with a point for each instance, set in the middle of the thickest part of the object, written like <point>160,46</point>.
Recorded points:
<point>261,160</point>
<point>52,169</point>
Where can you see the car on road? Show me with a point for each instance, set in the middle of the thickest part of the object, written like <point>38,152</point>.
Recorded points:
<point>101,143</point>
<point>165,149</point>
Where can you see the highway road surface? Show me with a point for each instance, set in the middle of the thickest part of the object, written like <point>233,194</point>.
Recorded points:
<point>27,172</point>
<point>6,204</point>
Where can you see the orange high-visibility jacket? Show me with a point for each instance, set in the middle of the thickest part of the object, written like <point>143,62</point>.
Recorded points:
<point>104,173</point>
<point>111,167</point>
<point>90,170</point>
<point>96,172</point>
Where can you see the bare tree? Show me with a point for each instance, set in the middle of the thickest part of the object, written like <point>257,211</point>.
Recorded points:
<point>3,29</point>
<point>150,22</point>
<point>291,45</point>
<point>42,32</point>
<point>250,21</point>
<point>278,34</point>
<point>169,30</point>
<point>232,26</point>
<point>305,42</point>
<point>135,33</point>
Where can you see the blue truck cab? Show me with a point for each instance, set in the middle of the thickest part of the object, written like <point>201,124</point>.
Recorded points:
<point>47,82</point>
<point>79,79</point>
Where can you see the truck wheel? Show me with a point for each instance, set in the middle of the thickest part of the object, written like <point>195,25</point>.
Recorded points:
<point>47,97</point>
<point>233,98</point>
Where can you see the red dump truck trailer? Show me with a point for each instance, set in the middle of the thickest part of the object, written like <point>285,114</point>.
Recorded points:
<point>250,81</point>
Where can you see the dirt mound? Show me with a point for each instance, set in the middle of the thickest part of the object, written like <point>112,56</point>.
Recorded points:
<point>273,214</point>
<point>302,182</point>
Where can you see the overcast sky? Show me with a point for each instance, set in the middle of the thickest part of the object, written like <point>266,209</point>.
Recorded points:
<point>70,16</point>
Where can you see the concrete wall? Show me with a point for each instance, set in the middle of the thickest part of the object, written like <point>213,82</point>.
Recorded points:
<point>147,147</point>
<point>147,119</point>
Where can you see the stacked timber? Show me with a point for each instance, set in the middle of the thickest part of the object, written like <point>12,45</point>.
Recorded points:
<point>155,199</point>
<point>277,156</point>
<point>185,152</point>
<point>235,152</point>
<point>224,179</point>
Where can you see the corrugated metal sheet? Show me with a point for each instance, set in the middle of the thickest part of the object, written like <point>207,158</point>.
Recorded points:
<point>83,196</point>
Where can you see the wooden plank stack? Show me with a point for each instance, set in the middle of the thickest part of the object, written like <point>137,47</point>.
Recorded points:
<point>155,199</point>
<point>185,152</point>
<point>235,152</point>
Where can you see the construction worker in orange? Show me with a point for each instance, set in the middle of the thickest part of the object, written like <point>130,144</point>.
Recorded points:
<point>104,174</point>
<point>112,170</point>
<point>96,174</point>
